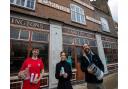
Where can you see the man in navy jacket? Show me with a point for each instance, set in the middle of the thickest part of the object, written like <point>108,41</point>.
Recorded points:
<point>93,75</point>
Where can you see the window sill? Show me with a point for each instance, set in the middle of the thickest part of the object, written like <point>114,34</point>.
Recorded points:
<point>22,7</point>
<point>79,23</point>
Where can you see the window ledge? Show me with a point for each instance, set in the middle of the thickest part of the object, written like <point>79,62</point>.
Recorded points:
<point>22,7</point>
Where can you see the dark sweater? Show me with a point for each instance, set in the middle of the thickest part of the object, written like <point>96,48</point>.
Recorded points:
<point>64,83</point>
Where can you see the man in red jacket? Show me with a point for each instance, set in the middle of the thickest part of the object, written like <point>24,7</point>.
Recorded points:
<point>32,71</point>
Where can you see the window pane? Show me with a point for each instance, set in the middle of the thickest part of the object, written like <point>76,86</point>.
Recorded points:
<point>18,53</point>
<point>70,55</point>
<point>22,2</point>
<point>73,16</point>
<point>12,1</point>
<point>104,23</point>
<point>67,39</point>
<point>40,36</point>
<point>24,34</point>
<point>14,33</point>
<point>83,41</point>
<point>43,53</point>
<point>30,3</point>
<point>18,2</point>
<point>77,41</point>
<point>83,19</point>
<point>78,18</point>
<point>92,42</point>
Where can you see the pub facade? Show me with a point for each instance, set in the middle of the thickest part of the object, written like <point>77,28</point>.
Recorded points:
<point>58,25</point>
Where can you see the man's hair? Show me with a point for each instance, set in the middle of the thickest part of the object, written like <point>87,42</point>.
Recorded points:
<point>63,52</point>
<point>33,49</point>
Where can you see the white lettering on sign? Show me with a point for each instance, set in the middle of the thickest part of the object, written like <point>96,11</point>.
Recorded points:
<point>54,5</point>
<point>84,4</point>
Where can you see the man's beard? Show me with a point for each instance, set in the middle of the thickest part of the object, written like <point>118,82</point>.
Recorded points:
<point>87,51</point>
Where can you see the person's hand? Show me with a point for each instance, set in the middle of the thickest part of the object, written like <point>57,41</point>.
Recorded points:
<point>61,74</point>
<point>21,75</point>
<point>65,75</point>
<point>90,70</point>
<point>36,81</point>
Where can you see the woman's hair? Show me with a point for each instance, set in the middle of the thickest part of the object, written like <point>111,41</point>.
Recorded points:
<point>63,52</point>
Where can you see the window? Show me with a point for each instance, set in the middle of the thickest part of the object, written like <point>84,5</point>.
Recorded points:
<point>17,33</point>
<point>92,43</point>
<point>24,3</point>
<point>70,54</point>
<point>11,1</point>
<point>18,53</point>
<point>39,36</point>
<point>104,24</point>
<point>24,34</point>
<point>14,33</point>
<point>77,14</point>
<point>68,39</point>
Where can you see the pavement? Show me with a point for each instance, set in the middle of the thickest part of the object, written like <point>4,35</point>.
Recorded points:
<point>110,82</point>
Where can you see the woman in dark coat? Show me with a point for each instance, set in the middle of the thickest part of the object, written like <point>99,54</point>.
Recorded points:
<point>63,73</point>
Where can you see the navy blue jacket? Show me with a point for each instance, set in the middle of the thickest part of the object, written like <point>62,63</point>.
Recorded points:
<point>90,78</point>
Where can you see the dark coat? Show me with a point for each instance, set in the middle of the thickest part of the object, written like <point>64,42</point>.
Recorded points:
<point>64,83</point>
<point>90,78</point>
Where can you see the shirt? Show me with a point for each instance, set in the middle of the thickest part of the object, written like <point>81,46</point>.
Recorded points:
<point>35,67</point>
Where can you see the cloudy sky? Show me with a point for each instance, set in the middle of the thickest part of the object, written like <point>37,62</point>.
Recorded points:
<point>113,4</point>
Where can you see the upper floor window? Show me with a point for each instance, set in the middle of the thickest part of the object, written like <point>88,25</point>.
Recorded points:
<point>77,14</point>
<point>24,3</point>
<point>104,24</point>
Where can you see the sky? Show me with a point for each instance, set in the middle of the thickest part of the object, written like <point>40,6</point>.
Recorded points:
<point>113,4</point>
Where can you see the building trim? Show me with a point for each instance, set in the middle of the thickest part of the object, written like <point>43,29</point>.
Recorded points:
<point>54,5</point>
<point>93,20</point>
<point>84,4</point>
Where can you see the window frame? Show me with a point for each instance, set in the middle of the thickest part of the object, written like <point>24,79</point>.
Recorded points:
<point>25,4</point>
<point>104,24</point>
<point>39,41</point>
<point>20,29</point>
<point>75,14</point>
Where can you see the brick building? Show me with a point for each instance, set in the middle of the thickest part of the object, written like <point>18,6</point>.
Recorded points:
<point>56,25</point>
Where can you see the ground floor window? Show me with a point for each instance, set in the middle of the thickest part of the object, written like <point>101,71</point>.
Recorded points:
<point>111,52</point>
<point>21,43</point>
<point>18,53</point>
<point>73,47</point>
<point>70,54</point>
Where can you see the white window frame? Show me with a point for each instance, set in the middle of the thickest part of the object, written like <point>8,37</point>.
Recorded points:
<point>80,13</point>
<point>24,31</point>
<point>20,34</point>
<point>25,4</point>
<point>104,24</point>
<point>39,41</point>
